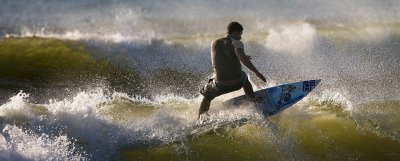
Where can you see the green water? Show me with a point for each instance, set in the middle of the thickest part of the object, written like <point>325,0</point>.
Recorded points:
<point>310,131</point>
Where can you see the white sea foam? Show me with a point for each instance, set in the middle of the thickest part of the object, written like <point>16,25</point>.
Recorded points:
<point>293,39</point>
<point>53,136</point>
<point>75,129</point>
<point>16,106</point>
<point>115,37</point>
<point>332,96</point>
<point>17,144</point>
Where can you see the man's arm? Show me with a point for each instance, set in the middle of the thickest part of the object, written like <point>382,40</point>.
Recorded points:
<point>246,62</point>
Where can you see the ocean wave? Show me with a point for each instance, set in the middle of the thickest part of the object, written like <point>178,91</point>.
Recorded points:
<point>102,124</point>
<point>42,65</point>
<point>154,20</point>
<point>119,80</point>
<point>19,144</point>
<point>164,67</point>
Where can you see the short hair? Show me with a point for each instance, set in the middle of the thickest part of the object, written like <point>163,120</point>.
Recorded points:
<point>234,26</point>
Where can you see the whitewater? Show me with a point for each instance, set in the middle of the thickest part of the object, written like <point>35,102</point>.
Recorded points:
<point>119,80</point>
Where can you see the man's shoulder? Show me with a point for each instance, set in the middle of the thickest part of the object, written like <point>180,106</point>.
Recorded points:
<point>220,41</point>
<point>237,43</point>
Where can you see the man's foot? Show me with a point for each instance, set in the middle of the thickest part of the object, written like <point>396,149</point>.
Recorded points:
<point>202,114</point>
<point>202,118</point>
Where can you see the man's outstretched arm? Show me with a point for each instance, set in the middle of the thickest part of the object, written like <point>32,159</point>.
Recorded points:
<point>246,62</point>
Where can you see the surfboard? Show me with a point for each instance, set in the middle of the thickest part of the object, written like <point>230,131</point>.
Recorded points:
<point>276,99</point>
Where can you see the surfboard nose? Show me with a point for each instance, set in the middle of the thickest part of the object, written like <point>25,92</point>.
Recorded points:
<point>309,85</point>
<point>317,81</point>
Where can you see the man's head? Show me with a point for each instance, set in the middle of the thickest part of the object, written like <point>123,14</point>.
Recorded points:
<point>235,30</point>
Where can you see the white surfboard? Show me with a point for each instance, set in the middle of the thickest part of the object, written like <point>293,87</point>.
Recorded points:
<point>276,99</point>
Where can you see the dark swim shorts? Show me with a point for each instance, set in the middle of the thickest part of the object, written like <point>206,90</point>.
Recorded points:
<point>212,89</point>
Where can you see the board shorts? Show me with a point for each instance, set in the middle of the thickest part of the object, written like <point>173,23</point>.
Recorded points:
<point>212,89</point>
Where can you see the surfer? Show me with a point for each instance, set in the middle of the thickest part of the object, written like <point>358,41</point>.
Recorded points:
<point>226,55</point>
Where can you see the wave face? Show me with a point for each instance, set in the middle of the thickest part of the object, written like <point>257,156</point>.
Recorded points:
<point>119,80</point>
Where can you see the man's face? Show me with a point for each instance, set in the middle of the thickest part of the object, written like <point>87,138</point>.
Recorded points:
<point>237,35</point>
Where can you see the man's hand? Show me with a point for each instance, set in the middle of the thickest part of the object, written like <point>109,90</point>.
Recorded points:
<point>245,59</point>
<point>259,75</point>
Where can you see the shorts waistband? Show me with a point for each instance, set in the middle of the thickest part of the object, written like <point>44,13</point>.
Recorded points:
<point>232,82</point>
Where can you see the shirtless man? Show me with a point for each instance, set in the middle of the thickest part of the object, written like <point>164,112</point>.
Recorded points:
<point>226,55</point>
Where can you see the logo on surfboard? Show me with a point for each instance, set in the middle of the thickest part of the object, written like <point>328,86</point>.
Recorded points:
<point>308,85</point>
<point>288,88</point>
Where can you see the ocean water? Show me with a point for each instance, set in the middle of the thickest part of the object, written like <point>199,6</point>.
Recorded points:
<point>119,80</point>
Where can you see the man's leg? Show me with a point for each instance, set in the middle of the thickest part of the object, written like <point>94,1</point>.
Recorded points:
<point>248,90</point>
<point>204,106</point>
